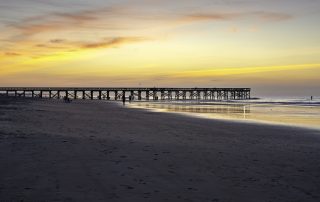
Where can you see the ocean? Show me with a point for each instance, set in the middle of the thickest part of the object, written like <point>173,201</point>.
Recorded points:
<point>297,112</point>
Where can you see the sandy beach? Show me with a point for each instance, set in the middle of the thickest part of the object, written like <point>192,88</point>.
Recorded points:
<point>102,151</point>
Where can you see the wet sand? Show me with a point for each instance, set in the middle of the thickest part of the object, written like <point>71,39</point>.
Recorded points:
<point>289,114</point>
<point>101,151</point>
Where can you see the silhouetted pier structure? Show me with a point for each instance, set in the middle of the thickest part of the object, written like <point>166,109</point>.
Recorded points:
<point>135,93</point>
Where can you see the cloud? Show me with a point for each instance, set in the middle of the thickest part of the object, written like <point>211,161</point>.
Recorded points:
<point>13,54</point>
<point>211,16</point>
<point>31,29</point>
<point>102,43</point>
<point>58,21</point>
<point>112,42</point>
<point>115,18</point>
<point>273,16</point>
<point>263,15</point>
<point>109,21</point>
<point>57,41</point>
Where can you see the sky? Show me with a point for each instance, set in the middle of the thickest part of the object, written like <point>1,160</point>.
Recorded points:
<point>270,46</point>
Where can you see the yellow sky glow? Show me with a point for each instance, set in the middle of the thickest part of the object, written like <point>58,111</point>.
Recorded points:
<point>128,46</point>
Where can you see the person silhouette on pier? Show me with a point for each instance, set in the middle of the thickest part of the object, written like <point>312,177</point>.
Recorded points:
<point>123,99</point>
<point>311,97</point>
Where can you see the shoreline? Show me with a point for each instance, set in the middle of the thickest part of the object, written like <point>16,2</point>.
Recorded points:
<point>98,151</point>
<point>206,115</point>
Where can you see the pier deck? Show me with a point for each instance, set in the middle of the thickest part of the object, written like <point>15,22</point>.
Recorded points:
<point>111,93</point>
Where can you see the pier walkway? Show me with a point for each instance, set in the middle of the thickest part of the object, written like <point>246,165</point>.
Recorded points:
<point>110,93</point>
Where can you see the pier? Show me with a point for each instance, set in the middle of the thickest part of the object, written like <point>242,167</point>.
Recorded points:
<point>105,93</point>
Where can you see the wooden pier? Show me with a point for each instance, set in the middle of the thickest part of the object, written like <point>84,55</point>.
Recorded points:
<point>135,93</point>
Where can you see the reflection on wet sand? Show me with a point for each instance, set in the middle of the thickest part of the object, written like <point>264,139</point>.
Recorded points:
<point>200,109</point>
<point>305,116</point>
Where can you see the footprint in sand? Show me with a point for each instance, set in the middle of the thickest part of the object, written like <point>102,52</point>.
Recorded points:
<point>127,186</point>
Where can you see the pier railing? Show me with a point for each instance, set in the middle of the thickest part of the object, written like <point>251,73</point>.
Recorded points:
<point>135,93</point>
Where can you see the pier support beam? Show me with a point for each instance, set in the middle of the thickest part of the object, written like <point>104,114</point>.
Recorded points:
<point>100,95</point>
<point>108,95</point>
